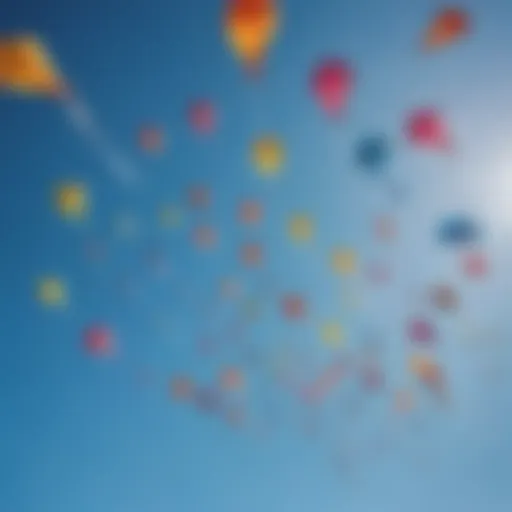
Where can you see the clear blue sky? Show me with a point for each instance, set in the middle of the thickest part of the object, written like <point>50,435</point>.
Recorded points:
<point>81,435</point>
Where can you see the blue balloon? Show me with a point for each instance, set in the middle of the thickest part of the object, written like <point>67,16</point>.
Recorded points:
<point>372,153</point>
<point>458,230</point>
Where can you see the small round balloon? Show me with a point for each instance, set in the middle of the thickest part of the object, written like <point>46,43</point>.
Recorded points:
<point>202,117</point>
<point>293,307</point>
<point>475,265</point>
<point>372,154</point>
<point>332,82</point>
<point>426,128</point>
<point>181,388</point>
<point>421,331</point>
<point>99,341</point>
<point>458,230</point>
<point>444,298</point>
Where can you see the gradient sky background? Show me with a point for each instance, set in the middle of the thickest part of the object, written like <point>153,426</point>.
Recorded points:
<point>81,435</point>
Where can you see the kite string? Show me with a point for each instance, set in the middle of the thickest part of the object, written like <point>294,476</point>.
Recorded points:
<point>83,120</point>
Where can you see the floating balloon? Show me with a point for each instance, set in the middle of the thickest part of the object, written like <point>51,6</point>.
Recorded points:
<point>425,128</point>
<point>403,401</point>
<point>95,250</point>
<point>71,200</point>
<point>208,400</point>
<point>371,376</point>
<point>250,212</point>
<point>151,139</point>
<point>252,254</point>
<point>325,383</point>
<point>232,379</point>
<point>332,334</point>
<point>378,273</point>
<point>428,371</point>
<point>231,288</point>
<point>181,388</point>
<point>448,26</point>
<point>235,415</point>
<point>293,307</point>
<point>250,27</point>
<point>300,228</point>
<point>157,261</point>
<point>202,117</point>
<point>99,341</point>
<point>458,230</point>
<point>199,196</point>
<point>268,155</point>
<point>421,331</point>
<point>170,216</point>
<point>332,83</point>
<point>444,297</point>
<point>475,265</point>
<point>372,153</point>
<point>384,228</point>
<point>126,225</point>
<point>52,292</point>
<point>205,237</point>
<point>344,261</point>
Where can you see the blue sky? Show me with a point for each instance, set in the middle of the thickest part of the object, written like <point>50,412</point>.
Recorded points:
<point>80,434</point>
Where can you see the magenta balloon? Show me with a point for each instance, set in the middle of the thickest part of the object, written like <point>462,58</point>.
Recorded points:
<point>332,84</point>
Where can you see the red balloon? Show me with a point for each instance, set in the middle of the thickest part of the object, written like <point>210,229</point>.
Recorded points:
<point>332,84</point>
<point>293,307</point>
<point>426,128</point>
<point>202,117</point>
<point>99,341</point>
<point>199,196</point>
<point>251,254</point>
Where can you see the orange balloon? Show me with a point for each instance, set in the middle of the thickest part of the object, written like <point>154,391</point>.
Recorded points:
<point>250,27</point>
<point>448,26</point>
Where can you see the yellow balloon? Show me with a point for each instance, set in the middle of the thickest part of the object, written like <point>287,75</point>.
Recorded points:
<point>72,200</point>
<point>344,261</point>
<point>332,334</point>
<point>301,228</point>
<point>52,292</point>
<point>268,156</point>
<point>250,27</point>
<point>26,67</point>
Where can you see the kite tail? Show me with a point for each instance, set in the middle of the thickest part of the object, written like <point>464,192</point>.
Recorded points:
<point>82,118</point>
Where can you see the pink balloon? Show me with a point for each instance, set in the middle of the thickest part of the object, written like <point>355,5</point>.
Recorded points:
<point>332,83</point>
<point>99,341</point>
<point>475,265</point>
<point>202,117</point>
<point>426,128</point>
<point>421,331</point>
